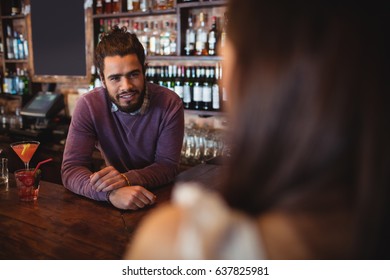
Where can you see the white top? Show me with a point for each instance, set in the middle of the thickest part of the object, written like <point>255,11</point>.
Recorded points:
<point>211,230</point>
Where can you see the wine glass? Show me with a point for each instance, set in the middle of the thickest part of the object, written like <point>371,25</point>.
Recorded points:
<point>25,150</point>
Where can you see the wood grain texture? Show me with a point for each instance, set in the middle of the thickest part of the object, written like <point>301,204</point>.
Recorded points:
<point>63,225</point>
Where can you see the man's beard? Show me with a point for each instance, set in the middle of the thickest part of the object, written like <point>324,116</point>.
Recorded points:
<point>129,108</point>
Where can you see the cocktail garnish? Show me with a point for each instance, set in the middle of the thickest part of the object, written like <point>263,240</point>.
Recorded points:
<point>25,148</point>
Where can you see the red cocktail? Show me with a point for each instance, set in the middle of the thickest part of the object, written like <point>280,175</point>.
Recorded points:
<point>25,150</point>
<point>28,184</point>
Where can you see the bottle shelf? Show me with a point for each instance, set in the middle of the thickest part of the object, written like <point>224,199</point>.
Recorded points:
<point>15,61</point>
<point>135,14</point>
<point>178,58</point>
<point>201,4</point>
<point>204,114</point>
<point>13,17</point>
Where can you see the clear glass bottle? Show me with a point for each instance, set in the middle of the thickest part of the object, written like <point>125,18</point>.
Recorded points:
<point>189,48</point>
<point>3,117</point>
<point>216,105</point>
<point>9,43</point>
<point>223,32</point>
<point>213,38</point>
<point>207,91</point>
<point>144,5</point>
<point>129,5</point>
<point>179,79</point>
<point>165,48</point>
<point>201,36</point>
<point>172,38</point>
<point>154,39</point>
<point>144,36</point>
<point>16,120</point>
<point>187,89</point>
<point>198,89</point>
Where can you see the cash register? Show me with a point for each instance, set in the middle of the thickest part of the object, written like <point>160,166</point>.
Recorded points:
<point>38,117</point>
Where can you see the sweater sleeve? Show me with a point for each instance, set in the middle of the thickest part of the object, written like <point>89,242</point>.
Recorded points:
<point>77,159</point>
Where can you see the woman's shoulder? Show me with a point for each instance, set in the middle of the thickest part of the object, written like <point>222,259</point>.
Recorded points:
<point>196,225</point>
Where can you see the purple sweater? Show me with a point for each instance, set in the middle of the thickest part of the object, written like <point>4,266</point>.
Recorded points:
<point>145,147</point>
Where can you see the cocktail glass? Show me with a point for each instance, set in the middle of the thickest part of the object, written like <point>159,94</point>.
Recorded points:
<point>25,150</point>
<point>27,182</point>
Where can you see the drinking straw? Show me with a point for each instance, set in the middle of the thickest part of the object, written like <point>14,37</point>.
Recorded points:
<point>40,163</point>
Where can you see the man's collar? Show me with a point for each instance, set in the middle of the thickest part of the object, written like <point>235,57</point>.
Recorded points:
<point>144,107</point>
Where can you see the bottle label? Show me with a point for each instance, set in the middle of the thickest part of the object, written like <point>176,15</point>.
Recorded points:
<point>206,94</point>
<point>187,94</point>
<point>216,104</point>
<point>191,37</point>
<point>197,93</point>
<point>212,39</point>
<point>179,90</point>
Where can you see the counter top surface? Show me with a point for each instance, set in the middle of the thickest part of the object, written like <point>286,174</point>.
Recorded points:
<point>64,225</point>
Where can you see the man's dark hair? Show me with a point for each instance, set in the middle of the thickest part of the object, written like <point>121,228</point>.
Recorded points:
<point>118,42</point>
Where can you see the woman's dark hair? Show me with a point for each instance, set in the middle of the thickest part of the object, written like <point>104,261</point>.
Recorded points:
<point>118,42</point>
<point>311,84</point>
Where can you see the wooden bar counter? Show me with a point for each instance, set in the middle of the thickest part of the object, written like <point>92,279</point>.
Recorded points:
<point>63,225</point>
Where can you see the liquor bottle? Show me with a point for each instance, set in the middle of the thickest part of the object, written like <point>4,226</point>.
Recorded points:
<point>24,82</point>
<point>154,40</point>
<point>15,43</point>
<point>155,74</point>
<point>163,4</point>
<point>1,82</point>
<point>144,36</point>
<point>116,6</point>
<point>21,49</point>
<point>15,7</point>
<point>198,89</point>
<point>223,89</point>
<point>201,36</point>
<point>179,79</point>
<point>207,90</point>
<point>92,80</point>
<point>172,70</point>
<point>144,5</point>
<point>99,7</point>
<point>190,37</point>
<point>187,88</point>
<point>149,73</point>
<point>213,38</point>
<point>223,32</point>
<point>25,48</point>
<point>3,117</point>
<point>107,6</point>
<point>97,82</point>
<point>16,120</point>
<point>129,6</point>
<point>136,6</point>
<point>172,38</point>
<point>1,46</point>
<point>216,105</point>
<point>9,43</point>
<point>165,35</point>
<point>163,75</point>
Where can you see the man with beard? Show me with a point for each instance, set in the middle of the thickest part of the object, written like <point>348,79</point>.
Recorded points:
<point>137,126</point>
